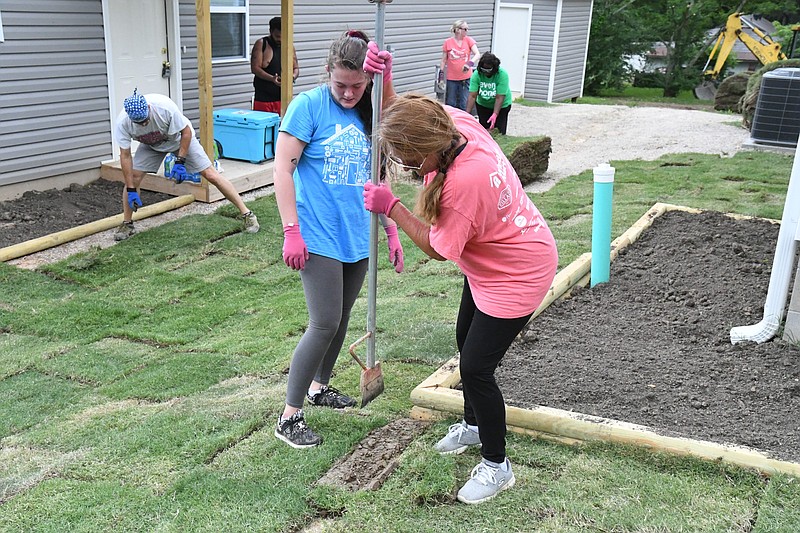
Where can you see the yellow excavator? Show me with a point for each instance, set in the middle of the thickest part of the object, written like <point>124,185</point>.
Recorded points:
<point>763,47</point>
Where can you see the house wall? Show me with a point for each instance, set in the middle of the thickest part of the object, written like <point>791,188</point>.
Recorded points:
<point>415,29</point>
<point>55,124</point>
<point>54,115</point>
<point>557,49</point>
<point>540,49</point>
<point>570,60</point>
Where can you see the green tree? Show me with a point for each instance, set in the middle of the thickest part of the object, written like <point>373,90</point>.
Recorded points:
<point>683,28</point>
<point>616,34</point>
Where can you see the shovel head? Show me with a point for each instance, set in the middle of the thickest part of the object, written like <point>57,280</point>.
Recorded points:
<point>371,384</point>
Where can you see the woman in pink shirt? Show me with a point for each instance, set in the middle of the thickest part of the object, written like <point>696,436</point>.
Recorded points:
<point>473,211</point>
<point>459,56</point>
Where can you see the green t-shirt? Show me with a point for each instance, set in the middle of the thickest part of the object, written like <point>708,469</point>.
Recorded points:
<point>488,88</point>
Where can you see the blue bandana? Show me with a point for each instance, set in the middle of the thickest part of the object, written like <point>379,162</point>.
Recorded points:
<point>136,107</point>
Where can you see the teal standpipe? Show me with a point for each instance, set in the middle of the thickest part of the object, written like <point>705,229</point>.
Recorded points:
<point>601,223</point>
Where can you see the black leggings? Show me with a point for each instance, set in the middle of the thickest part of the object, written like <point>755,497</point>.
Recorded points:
<point>502,117</point>
<point>483,341</point>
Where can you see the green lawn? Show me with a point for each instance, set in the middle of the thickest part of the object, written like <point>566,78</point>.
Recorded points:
<point>139,387</point>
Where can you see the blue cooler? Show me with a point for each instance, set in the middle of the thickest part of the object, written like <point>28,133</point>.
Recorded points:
<point>246,135</point>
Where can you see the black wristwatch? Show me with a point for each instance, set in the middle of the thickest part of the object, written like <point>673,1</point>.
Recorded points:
<point>180,160</point>
<point>131,189</point>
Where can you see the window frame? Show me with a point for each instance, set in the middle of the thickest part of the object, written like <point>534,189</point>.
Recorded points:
<point>244,10</point>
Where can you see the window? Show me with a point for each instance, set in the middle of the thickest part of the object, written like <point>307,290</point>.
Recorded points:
<point>229,29</point>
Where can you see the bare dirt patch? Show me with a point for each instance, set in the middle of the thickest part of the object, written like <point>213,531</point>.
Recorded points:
<point>39,213</point>
<point>652,345</point>
<point>375,457</point>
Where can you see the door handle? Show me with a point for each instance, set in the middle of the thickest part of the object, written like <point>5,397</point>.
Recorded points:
<point>166,69</point>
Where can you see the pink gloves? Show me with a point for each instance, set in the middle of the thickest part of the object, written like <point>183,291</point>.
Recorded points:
<point>378,61</point>
<point>379,199</point>
<point>295,252</point>
<point>492,120</point>
<point>395,248</point>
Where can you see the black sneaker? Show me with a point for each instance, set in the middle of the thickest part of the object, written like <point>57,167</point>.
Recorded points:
<point>330,397</point>
<point>294,432</point>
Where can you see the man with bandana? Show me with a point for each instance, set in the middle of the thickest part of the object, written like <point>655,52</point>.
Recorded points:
<point>160,128</point>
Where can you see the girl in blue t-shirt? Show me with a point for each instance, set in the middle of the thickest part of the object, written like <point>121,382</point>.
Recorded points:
<point>322,162</point>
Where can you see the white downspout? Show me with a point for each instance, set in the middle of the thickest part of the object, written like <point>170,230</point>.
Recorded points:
<point>782,266</point>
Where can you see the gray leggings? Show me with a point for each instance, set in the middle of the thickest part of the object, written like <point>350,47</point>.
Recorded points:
<point>331,288</point>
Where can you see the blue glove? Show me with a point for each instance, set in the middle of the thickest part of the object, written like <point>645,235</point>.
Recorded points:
<point>179,173</point>
<point>134,202</point>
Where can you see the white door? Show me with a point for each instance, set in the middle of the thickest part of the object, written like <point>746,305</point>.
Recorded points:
<point>138,35</point>
<point>512,37</point>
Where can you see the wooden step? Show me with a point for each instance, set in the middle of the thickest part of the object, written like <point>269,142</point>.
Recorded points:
<point>243,176</point>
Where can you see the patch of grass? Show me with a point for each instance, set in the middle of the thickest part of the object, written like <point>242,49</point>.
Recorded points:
<point>633,96</point>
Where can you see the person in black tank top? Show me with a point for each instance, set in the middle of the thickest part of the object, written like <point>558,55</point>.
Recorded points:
<point>265,64</point>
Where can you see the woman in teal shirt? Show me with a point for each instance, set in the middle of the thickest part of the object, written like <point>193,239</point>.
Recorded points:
<point>490,93</point>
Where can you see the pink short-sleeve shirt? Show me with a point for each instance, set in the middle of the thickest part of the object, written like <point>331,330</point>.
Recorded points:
<point>489,227</point>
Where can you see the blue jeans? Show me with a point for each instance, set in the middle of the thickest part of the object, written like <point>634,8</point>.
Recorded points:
<point>457,92</point>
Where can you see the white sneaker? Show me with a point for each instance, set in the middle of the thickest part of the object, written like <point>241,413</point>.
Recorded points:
<point>459,437</point>
<point>486,482</point>
<point>250,222</point>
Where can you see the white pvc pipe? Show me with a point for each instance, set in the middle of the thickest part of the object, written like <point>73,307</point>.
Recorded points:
<point>782,266</point>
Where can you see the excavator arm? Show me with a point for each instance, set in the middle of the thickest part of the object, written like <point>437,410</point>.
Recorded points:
<point>764,49</point>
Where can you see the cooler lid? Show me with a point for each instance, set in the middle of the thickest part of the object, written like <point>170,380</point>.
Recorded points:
<point>246,117</point>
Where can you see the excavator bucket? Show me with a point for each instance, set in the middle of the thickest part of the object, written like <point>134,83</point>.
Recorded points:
<point>705,91</point>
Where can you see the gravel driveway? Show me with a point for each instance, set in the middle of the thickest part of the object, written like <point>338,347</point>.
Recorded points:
<point>585,135</point>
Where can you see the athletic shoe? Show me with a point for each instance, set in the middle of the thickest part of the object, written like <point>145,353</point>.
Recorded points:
<point>294,432</point>
<point>486,482</point>
<point>459,437</point>
<point>124,231</point>
<point>330,397</point>
<point>250,222</point>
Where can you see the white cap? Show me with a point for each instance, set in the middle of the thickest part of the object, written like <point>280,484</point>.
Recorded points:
<point>604,173</point>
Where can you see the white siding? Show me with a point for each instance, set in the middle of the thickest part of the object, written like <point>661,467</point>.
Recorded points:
<point>54,113</point>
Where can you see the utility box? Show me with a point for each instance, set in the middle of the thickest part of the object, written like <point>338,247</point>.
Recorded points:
<point>246,135</point>
<point>777,117</point>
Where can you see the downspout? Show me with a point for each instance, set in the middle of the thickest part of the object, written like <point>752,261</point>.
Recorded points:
<point>782,264</point>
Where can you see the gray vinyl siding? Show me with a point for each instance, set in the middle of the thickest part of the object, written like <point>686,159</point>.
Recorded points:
<point>415,29</point>
<point>540,50</point>
<point>571,53</point>
<point>54,114</point>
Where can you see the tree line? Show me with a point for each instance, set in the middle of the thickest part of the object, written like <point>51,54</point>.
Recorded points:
<point>625,28</point>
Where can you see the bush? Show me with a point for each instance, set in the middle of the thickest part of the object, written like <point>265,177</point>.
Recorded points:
<point>649,80</point>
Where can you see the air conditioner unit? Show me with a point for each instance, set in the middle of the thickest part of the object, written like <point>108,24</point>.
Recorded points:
<point>777,117</point>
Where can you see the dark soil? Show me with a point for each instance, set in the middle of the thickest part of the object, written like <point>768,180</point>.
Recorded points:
<point>375,457</point>
<point>40,213</point>
<point>652,345</point>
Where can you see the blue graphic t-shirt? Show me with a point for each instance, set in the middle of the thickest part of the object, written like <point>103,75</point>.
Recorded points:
<point>330,176</point>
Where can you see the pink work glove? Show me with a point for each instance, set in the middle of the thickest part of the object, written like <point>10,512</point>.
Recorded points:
<point>295,252</point>
<point>395,248</point>
<point>378,61</point>
<point>379,199</point>
<point>492,120</point>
